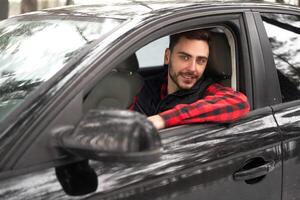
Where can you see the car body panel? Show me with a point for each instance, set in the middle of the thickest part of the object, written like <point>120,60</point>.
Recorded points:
<point>198,162</point>
<point>288,119</point>
<point>201,163</point>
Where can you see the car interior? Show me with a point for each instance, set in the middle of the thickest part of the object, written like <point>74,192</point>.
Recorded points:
<point>118,88</point>
<point>122,84</point>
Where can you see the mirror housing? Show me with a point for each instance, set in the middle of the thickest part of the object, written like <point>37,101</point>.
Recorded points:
<point>111,135</point>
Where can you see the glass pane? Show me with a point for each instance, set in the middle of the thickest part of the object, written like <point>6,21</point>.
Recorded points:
<point>156,49</point>
<point>32,51</point>
<point>283,32</point>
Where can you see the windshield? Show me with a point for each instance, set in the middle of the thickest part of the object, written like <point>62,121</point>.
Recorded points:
<point>32,51</point>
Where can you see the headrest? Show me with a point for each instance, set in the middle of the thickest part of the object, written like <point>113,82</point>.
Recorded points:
<point>219,60</point>
<point>130,64</point>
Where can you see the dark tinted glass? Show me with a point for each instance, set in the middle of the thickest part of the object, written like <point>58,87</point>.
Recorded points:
<point>284,35</point>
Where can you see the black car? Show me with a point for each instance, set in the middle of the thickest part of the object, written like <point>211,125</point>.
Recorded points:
<point>69,74</point>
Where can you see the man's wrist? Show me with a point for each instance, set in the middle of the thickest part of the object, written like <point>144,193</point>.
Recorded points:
<point>171,117</point>
<point>157,121</point>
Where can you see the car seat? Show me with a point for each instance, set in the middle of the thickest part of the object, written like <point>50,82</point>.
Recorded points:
<point>117,89</point>
<point>219,62</point>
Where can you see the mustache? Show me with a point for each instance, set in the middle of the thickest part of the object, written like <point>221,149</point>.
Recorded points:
<point>189,73</point>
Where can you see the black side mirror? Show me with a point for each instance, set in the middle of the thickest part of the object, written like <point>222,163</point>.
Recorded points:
<point>111,135</point>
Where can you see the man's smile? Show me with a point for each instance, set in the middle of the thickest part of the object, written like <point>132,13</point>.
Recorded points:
<point>188,77</point>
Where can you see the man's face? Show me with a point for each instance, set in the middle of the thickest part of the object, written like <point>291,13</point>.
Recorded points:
<point>186,62</point>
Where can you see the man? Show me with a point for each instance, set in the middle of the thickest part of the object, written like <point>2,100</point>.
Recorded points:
<point>183,94</point>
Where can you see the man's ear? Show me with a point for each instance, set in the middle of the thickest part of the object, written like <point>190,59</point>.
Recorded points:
<point>167,56</point>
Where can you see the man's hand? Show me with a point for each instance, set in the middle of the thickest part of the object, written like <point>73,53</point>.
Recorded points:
<point>157,121</point>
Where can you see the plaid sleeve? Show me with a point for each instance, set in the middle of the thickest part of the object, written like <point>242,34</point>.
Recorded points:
<point>220,105</point>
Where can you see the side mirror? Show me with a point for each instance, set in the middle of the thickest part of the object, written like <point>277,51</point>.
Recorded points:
<point>111,135</point>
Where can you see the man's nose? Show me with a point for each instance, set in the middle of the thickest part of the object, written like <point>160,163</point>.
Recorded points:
<point>192,65</point>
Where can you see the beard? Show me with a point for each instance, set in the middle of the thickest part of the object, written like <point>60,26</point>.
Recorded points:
<point>183,80</point>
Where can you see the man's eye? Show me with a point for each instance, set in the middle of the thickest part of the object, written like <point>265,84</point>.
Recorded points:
<point>183,57</point>
<point>202,61</point>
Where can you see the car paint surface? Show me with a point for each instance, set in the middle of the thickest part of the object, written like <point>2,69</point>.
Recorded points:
<point>288,118</point>
<point>189,164</point>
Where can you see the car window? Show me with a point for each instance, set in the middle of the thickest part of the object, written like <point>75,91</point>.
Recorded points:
<point>152,55</point>
<point>32,51</point>
<point>147,63</point>
<point>284,35</point>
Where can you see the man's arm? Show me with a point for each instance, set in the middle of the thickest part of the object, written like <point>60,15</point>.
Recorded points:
<point>220,105</point>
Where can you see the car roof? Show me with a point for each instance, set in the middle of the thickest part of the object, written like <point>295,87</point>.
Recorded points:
<point>124,9</point>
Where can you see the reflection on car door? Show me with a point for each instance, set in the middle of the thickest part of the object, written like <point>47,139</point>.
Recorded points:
<point>239,161</point>
<point>36,185</point>
<point>288,118</point>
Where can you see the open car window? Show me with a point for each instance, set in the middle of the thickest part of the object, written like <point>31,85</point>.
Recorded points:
<point>120,86</point>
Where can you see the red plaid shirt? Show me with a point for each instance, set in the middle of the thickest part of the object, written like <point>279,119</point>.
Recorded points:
<point>219,105</point>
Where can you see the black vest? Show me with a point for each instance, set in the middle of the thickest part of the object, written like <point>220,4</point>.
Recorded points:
<point>150,103</point>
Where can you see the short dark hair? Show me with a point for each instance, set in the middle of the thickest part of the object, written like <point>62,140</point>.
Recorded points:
<point>194,34</point>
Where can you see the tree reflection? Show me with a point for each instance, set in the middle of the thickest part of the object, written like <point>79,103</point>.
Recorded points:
<point>13,86</point>
<point>16,89</point>
<point>283,32</point>
<point>8,36</point>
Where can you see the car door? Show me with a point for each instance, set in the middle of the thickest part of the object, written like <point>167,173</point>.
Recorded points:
<point>239,161</point>
<point>283,32</point>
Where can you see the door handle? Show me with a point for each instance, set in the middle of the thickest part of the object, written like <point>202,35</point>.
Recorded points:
<point>255,172</point>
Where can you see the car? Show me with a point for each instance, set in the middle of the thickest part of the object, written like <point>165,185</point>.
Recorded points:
<point>69,74</point>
